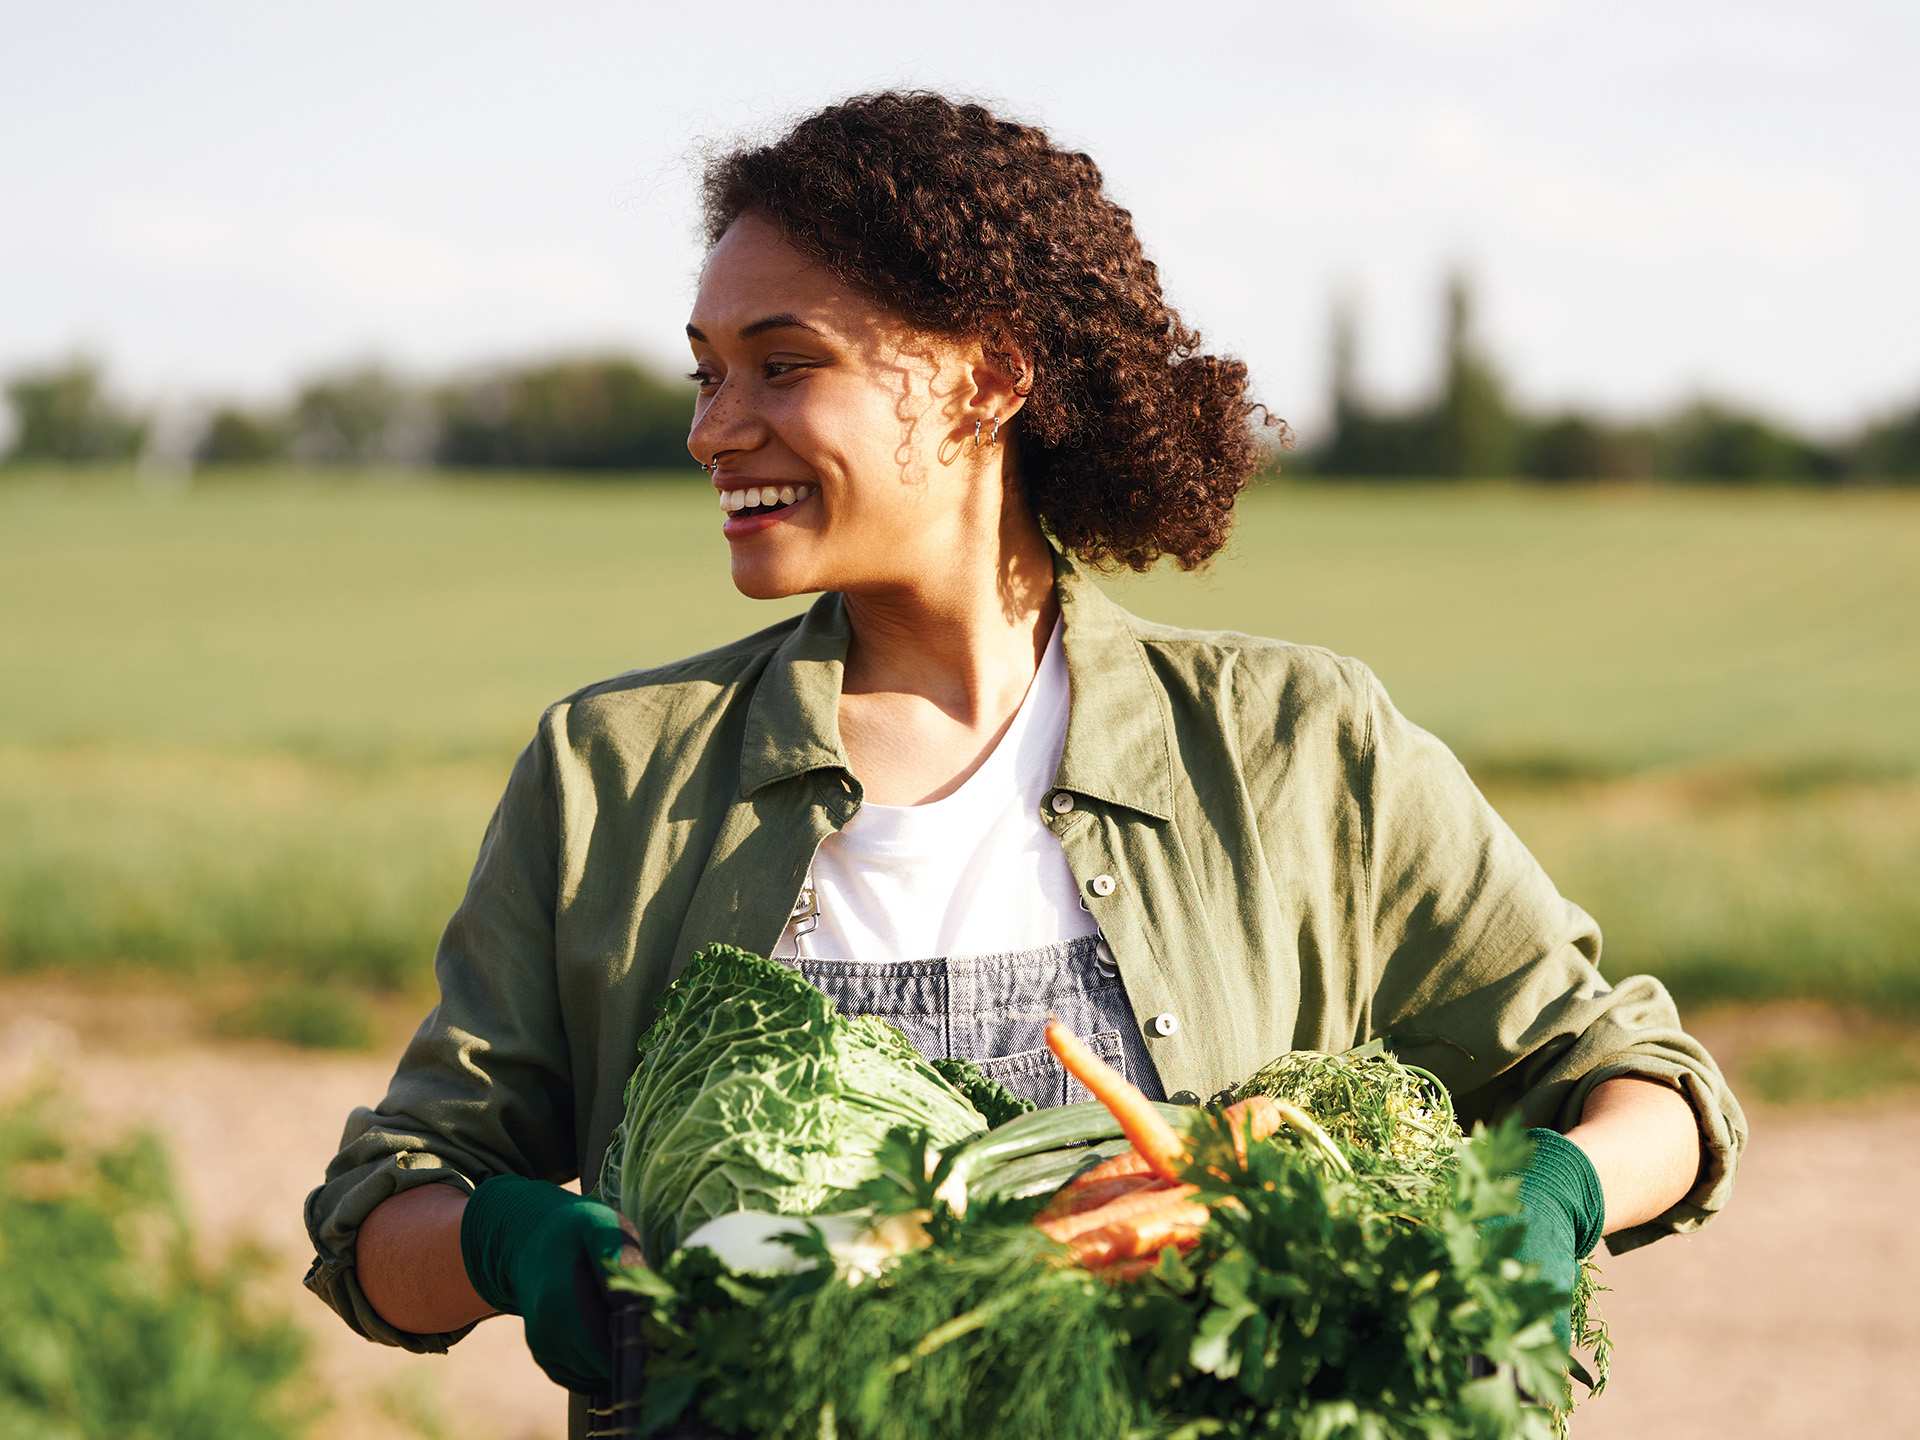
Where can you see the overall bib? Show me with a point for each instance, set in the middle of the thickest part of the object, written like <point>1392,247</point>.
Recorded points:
<point>993,1009</point>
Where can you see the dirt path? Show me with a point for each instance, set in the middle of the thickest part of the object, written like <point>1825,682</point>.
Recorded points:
<point>1787,1316</point>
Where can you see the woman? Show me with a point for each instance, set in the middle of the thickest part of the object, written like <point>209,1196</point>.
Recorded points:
<point>965,789</point>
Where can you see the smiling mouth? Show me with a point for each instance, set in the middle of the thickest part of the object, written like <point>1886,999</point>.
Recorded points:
<point>762,500</point>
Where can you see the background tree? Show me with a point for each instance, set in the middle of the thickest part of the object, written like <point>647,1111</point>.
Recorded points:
<point>1889,449</point>
<point>594,412</point>
<point>63,416</point>
<point>1467,429</point>
<point>234,436</point>
<point>1709,439</point>
<point>359,415</point>
<point>1472,425</point>
<point>1573,445</point>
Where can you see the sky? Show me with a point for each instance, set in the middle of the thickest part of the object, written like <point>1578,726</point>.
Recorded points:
<point>1653,201</point>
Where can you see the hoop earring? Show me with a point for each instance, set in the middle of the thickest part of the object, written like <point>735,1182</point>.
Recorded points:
<point>992,439</point>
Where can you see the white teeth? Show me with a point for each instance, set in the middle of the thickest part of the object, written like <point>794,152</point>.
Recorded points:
<point>754,495</point>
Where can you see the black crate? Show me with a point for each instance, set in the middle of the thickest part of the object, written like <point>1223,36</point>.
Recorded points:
<point>614,1414</point>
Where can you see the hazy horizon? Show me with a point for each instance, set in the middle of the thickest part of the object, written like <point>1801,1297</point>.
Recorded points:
<point>218,201</point>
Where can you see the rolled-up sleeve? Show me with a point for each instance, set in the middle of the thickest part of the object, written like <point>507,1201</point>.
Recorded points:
<point>484,1085</point>
<point>1488,976</point>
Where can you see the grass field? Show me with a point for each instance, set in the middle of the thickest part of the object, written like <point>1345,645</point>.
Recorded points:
<point>257,726</point>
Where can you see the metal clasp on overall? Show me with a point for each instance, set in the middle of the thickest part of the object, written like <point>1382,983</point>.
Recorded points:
<point>806,909</point>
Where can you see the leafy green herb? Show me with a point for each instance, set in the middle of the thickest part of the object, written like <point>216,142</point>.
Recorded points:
<point>985,1333</point>
<point>1308,1310</point>
<point>1394,1120</point>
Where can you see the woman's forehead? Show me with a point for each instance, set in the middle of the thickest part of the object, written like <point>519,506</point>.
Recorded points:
<point>754,272</point>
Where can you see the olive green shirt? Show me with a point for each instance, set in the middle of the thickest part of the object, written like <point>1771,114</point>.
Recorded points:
<point>1295,865</point>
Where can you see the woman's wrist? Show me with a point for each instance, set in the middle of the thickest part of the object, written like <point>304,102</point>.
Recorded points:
<point>1560,1180</point>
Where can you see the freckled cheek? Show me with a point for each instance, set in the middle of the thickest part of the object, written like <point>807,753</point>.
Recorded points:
<point>851,444</point>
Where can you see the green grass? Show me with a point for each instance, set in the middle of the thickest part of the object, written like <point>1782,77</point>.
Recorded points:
<point>313,1017</point>
<point>1836,1075</point>
<point>260,726</point>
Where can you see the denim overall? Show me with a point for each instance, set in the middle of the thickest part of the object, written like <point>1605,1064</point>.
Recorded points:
<point>992,1009</point>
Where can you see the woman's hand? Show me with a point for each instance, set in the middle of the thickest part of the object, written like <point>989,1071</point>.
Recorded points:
<point>1562,1211</point>
<point>541,1252</point>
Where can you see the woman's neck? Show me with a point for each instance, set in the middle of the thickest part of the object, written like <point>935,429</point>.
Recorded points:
<point>965,638</point>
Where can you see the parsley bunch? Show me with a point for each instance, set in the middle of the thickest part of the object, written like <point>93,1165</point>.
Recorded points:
<point>1309,1310</point>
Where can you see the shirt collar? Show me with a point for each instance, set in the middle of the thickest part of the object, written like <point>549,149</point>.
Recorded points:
<point>1116,748</point>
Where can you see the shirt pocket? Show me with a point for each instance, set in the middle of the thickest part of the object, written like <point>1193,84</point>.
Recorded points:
<point>1037,1076</point>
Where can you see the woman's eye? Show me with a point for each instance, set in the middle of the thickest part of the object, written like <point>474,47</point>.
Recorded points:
<point>774,369</point>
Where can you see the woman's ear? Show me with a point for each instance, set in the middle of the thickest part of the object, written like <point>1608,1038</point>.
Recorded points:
<point>1001,373</point>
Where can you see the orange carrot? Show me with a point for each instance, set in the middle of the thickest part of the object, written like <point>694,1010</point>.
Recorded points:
<point>1255,1117</point>
<point>1132,1162</point>
<point>1260,1113</point>
<point>1179,1225</point>
<point>1148,1201</point>
<point>1077,1196</point>
<point>1145,1126</point>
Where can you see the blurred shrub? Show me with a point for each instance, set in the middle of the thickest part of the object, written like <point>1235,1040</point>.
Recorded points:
<point>62,415</point>
<point>1573,446</point>
<point>1710,440</point>
<point>1835,1074</point>
<point>314,1017</point>
<point>239,437</point>
<point>1890,448</point>
<point>113,1327</point>
<point>360,415</point>
<point>585,413</point>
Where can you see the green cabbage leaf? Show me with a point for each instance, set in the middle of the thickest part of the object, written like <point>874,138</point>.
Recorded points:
<point>753,1092</point>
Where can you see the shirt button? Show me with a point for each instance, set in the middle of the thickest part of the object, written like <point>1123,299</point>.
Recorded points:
<point>1163,1024</point>
<point>1184,1097</point>
<point>1104,884</point>
<point>1062,802</point>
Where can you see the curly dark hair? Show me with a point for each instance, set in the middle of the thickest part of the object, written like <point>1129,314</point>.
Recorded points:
<point>1131,445</point>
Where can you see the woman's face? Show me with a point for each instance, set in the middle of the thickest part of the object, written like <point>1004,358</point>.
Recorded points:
<point>807,384</point>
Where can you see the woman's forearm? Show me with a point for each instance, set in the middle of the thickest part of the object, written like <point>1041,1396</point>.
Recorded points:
<point>1644,1143</point>
<point>407,1256</point>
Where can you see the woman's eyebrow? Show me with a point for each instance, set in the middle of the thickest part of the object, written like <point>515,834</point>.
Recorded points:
<point>771,322</point>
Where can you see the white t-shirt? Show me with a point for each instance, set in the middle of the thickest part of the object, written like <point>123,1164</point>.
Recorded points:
<point>973,873</point>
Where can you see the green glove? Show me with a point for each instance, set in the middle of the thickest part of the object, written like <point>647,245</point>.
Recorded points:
<point>535,1250</point>
<point>1562,1210</point>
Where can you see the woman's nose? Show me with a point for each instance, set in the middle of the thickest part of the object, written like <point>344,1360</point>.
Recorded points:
<point>725,422</point>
